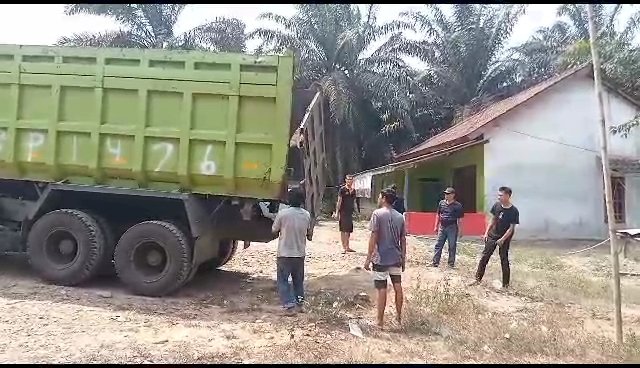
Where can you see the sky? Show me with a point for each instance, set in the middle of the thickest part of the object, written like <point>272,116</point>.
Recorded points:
<point>44,24</point>
<point>40,24</point>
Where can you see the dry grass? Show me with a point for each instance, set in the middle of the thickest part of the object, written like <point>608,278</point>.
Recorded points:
<point>558,310</point>
<point>334,307</point>
<point>542,333</point>
<point>543,318</point>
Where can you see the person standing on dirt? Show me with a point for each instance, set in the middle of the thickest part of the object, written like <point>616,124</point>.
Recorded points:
<point>387,252</point>
<point>347,201</point>
<point>398,205</point>
<point>449,216</point>
<point>293,226</point>
<point>499,234</point>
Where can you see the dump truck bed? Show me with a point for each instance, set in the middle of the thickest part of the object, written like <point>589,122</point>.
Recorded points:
<point>167,120</point>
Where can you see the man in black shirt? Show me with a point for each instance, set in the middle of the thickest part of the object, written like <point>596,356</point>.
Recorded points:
<point>345,207</point>
<point>398,204</point>
<point>499,233</point>
<point>448,216</point>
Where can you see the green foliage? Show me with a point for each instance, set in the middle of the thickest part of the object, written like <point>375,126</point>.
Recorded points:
<point>464,51</point>
<point>566,44</point>
<point>152,26</point>
<point>380,105</point>
<point>369,92</point>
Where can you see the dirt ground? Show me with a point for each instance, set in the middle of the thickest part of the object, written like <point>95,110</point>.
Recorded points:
<point>557,311</point>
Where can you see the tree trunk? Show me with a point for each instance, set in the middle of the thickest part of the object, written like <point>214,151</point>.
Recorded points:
<point>339,156</point>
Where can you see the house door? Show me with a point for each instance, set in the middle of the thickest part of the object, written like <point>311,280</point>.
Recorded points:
<point>464,182</point>
<point>430,194</point>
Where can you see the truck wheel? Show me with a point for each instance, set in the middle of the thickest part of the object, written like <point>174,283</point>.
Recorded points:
<point>66,247</point>
<point>107,268</point>
<point>153,258</point>
<point>225,253</point>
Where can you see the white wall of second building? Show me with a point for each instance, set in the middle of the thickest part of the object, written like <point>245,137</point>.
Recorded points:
<point>547,152</point>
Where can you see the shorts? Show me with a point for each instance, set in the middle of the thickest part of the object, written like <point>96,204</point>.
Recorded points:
<point>345,224</point>
<point>382,273</point>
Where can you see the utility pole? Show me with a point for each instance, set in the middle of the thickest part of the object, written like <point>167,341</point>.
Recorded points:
<point>608,195</point>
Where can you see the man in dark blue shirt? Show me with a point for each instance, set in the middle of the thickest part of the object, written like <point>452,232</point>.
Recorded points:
<point>448,218</point>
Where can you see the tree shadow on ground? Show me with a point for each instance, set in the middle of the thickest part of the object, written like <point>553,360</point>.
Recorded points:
<point>218,294</point>
<point>226,291</point>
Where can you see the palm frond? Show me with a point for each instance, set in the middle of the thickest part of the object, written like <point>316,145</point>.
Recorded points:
<point>631,28</point>
<point>625,129</point>
<point>220,35</point>
<point>127,14</point>
<point>336,88</point>
<point>119,38</point>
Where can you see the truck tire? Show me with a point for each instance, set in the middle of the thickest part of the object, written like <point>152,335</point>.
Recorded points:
<point>153,258</point>
<point>225,254</point>
<point>66,247</point>
<point>107,268</point>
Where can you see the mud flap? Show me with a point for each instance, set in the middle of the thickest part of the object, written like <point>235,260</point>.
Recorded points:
<point>205,247</point>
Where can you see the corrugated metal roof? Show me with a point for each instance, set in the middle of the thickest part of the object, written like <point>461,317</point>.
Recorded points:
<point>462,130</point>
<point>363,179</point>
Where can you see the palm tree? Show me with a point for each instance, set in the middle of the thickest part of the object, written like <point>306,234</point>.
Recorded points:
<point>566,43</point>
<point>464,55</point>
<point>623,70</point>
<point>152,26</point>
<point>333,45</point>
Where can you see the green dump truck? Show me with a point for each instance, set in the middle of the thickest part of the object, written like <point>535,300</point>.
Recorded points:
<point>150,163</point>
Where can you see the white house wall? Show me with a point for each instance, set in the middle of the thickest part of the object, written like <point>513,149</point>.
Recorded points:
<point>546,151</point>
<point>633,200</point>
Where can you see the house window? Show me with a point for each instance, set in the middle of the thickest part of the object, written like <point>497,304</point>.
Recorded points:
<point>618,187</point>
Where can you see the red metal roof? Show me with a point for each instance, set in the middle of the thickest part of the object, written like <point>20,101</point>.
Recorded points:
<point>459,133</point>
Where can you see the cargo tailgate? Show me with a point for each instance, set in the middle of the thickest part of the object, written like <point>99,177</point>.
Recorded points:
<point>310,138</point>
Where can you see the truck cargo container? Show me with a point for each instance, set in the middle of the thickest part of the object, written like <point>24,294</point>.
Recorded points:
<point>150,163</point>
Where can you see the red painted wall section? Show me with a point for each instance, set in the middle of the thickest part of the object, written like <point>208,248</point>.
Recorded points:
<point>421,223</point>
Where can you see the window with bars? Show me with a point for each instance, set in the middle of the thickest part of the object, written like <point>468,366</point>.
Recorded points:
<point>619,209</point>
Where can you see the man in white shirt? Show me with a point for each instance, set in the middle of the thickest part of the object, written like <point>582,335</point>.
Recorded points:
<point>293,225</point>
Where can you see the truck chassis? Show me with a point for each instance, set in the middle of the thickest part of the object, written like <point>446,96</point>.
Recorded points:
<point>154,241</point>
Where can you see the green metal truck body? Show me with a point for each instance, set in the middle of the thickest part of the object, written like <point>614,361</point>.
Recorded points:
<point>167,120</point>
<point>152,164</point>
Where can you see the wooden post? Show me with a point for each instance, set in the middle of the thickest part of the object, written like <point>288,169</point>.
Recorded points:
<point>613,239</point>
<point>405,190</point>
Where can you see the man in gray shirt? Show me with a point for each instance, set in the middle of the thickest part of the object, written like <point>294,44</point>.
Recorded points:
<point>293,225</point>
<point>387,252</point>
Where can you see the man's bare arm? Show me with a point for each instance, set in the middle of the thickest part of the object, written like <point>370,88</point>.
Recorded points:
<point>508,234</point>
<point>372,244</point>
<point>403,244</point>
<point>275,228</point>
<point>493,222</point>
<point>310,230</point>
<point>373,238</point>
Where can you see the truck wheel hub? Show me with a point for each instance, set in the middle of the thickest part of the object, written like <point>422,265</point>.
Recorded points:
<point>67,247</point>
<point>61,247</point>
<point>150,259</point>
<point>154,258</point>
